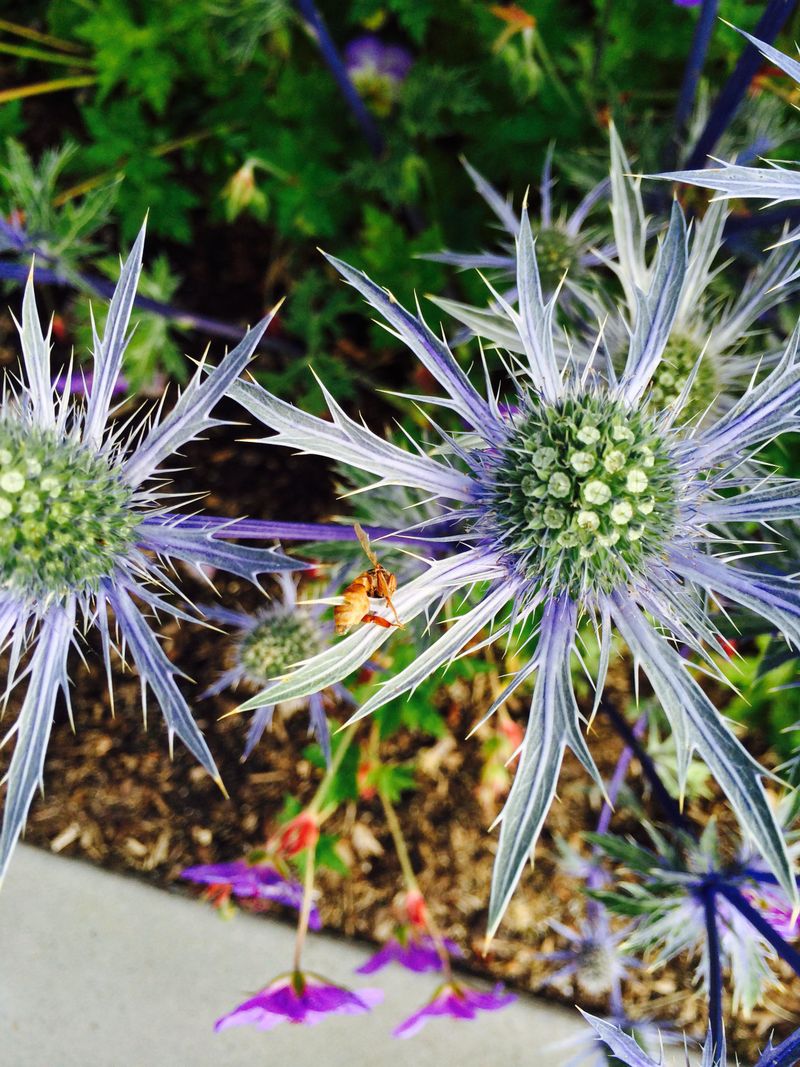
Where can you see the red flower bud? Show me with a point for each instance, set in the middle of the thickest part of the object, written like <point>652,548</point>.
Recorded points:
<point>299,833</point>
<point>416,909</point>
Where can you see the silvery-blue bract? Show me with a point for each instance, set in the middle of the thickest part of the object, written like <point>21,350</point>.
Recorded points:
<point>776,184</point>
<point>86,522</point>
<point>720,331</point>
<point>571,498</point>
<point>567,248</point>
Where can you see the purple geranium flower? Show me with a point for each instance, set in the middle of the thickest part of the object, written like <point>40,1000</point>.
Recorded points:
<point>260,881</point>
<point>299,998</point>
<point>377,70</point>
<point>416,952</point>
<point>456,1001</point>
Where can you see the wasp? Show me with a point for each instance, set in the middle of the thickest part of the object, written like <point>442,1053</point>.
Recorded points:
<point>377,582</point>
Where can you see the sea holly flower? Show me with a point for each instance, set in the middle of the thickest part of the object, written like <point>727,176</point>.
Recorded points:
<point>299,998</point>
<point>593,958</point>
<point>254,878</point>
<point>455,1001</point>
<point>570,498</point>
<point>267,644</point>
<point>567,246</point>
<point>86,522</point>
<point>377,70</point>
<point>706,340</point>
<point>670,900</point>
<point>776,184</point>
<point>412,949</point>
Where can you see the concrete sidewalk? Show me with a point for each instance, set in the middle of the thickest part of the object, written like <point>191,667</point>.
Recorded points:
<point>101,971</point>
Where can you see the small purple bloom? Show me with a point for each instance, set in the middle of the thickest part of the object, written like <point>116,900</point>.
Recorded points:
<point>377,70</point>
<point>296,998</point>
<point>415,952</point>
<point>776,908</point>
<point>457,1002</point>
<point>259,881</point>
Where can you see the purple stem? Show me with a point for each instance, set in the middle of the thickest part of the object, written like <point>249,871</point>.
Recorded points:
<point>769,26</point>
<point>618,777</point>
<point>259,529</point>
<point>594,909</point>
<point>103,287</point>
<point>787,953</point>
<point>662,795</point>
<point>715,1019</point>
<point>694,65</point>
<point>330,54</point>
<point>787,1054</point>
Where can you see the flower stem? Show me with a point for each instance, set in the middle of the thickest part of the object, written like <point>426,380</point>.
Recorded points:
<point>399,841</point>
<point>410,879</point>
<point>618,777</point>
<point>769,25</point>
<point>256,529</point>
<point>715,1019</point>
<point>694,66</point>
<point>663,797</point>
<point>305,910</point>
<point>785,1055</point>
<point>318,30</point>
<point>317,801</point>
<point>787,953</point>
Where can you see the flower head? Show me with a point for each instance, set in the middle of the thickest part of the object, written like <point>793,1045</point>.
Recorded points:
<point>256,880</point>
<point>413,950</point>
<point>267,644</point>
<point>455,1001</point>
<point>85,526</point>
<point>567,247</point>
<point>707,340</point>
<point>300,999</point>
<point>377,70</point>
<point>574,499</point>
<point>592,958</point>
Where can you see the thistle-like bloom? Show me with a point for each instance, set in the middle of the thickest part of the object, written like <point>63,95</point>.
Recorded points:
<point>566,246</point>
<point>455,1001</point>
<point>593,958</point>
<point>257,880</point>
<point>777,184</point>
<point>377,70</point>
<point>267,644</point>
<point>573,498</point>
<point>700,326</point>
<point>413,950</point>
<point>672,899</point>
<point>299,998</point>
<point>85,523</point>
